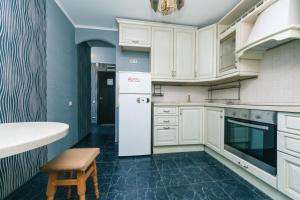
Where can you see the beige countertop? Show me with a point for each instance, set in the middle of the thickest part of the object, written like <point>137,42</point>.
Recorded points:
<point>254,106</point>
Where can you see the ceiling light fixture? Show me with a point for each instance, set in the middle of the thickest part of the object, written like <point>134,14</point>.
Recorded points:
<point>166,7</point>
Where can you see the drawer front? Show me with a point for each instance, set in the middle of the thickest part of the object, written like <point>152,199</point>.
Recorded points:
<point>135,34</point>
<point>166,120</point>
<point>170,110</point>
<point>289,143</point>
<point>289,122</point>
<point>288,175</point>
<point>165,135</point>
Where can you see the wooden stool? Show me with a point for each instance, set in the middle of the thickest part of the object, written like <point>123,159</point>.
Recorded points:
<point>81,161</point>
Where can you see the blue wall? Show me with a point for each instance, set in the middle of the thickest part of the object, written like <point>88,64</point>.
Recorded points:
<point>103,55</point>
<point>84,89</point>
<point>61,76</point>
<point>22,82</point>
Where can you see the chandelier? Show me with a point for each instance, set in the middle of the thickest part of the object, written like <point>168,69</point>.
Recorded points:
<point>166,7</point>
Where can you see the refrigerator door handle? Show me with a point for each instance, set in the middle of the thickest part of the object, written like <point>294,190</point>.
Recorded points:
<point>148,100</point>
<point>138,100</point>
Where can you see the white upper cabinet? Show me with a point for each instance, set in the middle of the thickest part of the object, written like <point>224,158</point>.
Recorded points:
<point>134,36</point>
<point>191,125</point>
<point>214,129</point>
<point>184,54</point>
<point>162,55</point>
<point>206,58</point>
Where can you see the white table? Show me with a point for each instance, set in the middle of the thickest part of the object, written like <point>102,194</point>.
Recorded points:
<point>17,138</point>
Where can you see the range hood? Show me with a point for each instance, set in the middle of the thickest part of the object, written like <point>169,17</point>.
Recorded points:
<point>276,25</point>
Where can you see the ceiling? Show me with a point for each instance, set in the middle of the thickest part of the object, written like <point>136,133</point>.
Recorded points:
<point>102,13</point>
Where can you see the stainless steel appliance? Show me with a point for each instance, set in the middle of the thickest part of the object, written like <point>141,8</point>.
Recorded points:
<point>252,136</point>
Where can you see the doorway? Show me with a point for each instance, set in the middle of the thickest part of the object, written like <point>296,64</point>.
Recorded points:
<point>106,98</point>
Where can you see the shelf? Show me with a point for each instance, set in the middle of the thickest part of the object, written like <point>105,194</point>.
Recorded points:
<point>256,50</point>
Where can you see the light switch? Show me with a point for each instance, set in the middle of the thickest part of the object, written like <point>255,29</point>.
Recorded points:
<point>70,104</point>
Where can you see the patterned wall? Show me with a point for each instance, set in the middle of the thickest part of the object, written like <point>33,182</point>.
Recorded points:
<point>22,82</point>
<point>84,89</point>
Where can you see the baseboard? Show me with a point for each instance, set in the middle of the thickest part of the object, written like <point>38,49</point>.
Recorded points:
<point>267,189</point>
<point>177,149</point>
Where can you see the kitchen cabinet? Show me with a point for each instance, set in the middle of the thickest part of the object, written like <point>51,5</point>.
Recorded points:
<point>184,54</point>
<point>162,55</point>
<point>206,50</point>
<point>288,175</point>
<point>177,125</point>
<point>165,135</point>
<point>134,35</point>
<point>214,128</point>
<point>190,125</point>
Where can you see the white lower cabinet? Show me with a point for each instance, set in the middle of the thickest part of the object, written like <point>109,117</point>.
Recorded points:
<point>165,135</point>
<point>177,129</point>
<point>289,175</point>
<point>214,128</point>
<point>190,125</point>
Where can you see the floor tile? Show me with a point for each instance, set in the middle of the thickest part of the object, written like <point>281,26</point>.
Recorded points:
<point>217,173</point>
<point>165,164</point>
<point>184,192</point>
<point>121,183</point>
<point>149,179</point>
<point>210,191</point>
<point>238,191</point>
<point>173,178</point>
<point>145,165</point>
<point>152,194</point>
<point>184,162</point>
<point>196,175</point>
<point>124,195</point>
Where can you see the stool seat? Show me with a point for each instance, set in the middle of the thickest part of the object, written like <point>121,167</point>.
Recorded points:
<point>72,159</point>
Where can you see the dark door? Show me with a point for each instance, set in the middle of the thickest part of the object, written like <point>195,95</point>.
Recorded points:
<point>106,97</point>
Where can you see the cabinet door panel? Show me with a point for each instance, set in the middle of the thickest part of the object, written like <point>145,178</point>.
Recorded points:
<point>184,54</point>
<point>162,53</point>
<point>131,34</point>
<point>190,125</point>
<point>206,58</point>
<point>288,175</point>
<point>214,129</point>
<point>165,135</point>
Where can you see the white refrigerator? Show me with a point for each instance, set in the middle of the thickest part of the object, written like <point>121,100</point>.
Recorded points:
<point>134,101</point>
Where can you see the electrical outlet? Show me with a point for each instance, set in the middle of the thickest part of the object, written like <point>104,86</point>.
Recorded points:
<point>133,61</point>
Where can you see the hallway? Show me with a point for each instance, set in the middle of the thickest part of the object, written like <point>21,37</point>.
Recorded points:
<point>167,176</point>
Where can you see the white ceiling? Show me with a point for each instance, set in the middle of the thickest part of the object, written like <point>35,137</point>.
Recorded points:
<point>102,13</point>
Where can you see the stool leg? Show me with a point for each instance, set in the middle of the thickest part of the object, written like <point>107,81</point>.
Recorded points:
<point>95,180</point>
<point>51,188</point>
<point>81,187</point>
<point>69,190</point>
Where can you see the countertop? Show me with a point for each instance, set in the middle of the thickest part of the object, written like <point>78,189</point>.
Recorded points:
<point>20,137</point>
<point>295,108</point>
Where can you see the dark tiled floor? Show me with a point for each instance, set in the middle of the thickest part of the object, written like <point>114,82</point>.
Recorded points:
<point>182,176</point>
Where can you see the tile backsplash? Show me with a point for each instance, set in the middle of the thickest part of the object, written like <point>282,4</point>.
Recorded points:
<point>279,77</point>
<point>180,94</point>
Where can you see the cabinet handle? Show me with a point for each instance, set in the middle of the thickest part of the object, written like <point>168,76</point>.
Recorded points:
<point>135,41</point>
<point>166,111</point>
<point>221,117</point>
<point>166,128</point>
<point>166,121</point>
<point>245,166</point>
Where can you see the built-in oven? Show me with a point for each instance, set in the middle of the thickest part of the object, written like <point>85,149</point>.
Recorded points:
<point>252,136</point>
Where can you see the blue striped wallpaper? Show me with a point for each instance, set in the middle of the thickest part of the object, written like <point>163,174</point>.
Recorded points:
<point>22,82</point>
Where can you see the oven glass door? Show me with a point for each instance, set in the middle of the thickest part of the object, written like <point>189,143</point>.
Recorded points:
<point>252,141</point>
